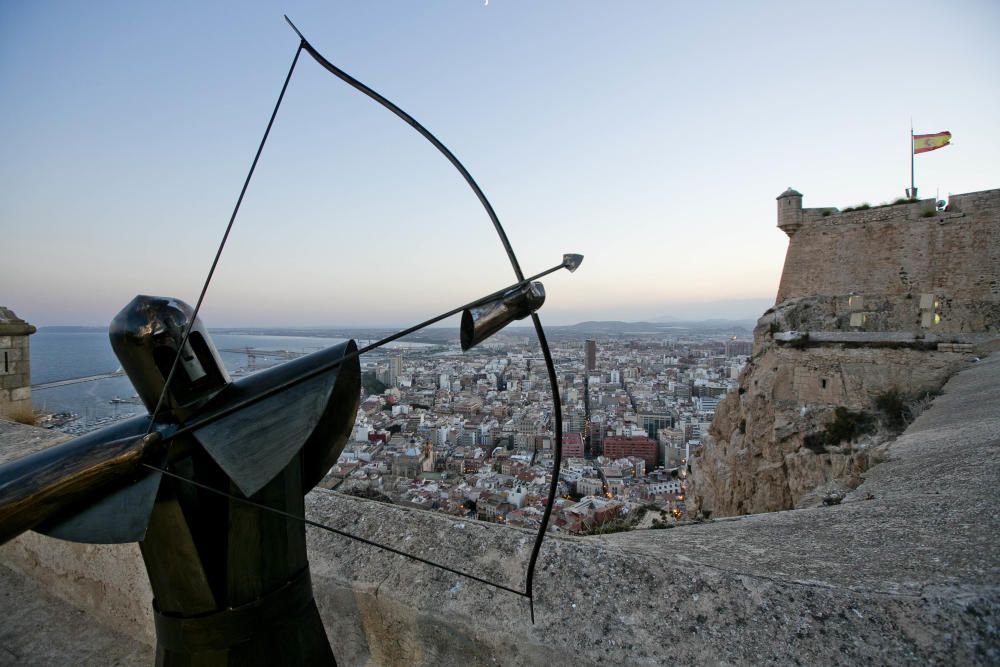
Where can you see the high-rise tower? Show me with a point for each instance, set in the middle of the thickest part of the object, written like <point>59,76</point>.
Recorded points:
<point>395,369</point>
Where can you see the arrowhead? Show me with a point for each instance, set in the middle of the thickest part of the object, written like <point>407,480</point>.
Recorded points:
<point>572,261</point>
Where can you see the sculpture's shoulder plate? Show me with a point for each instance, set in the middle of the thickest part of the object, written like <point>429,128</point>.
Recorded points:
<point>254,443</point>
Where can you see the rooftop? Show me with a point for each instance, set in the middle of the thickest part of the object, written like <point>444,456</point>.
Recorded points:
<point>905,570</point>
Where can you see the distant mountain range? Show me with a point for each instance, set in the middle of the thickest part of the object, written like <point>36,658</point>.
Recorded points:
<point>447,333</point>
<point>615,327</point>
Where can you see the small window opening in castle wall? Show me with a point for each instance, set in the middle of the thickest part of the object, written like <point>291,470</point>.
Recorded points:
<point>5,366</point>
<point>928,318</point>
<point>822,383</point>
<point>930,308</point>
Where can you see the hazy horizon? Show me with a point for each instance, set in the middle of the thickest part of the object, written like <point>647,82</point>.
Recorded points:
<point>695,312</point>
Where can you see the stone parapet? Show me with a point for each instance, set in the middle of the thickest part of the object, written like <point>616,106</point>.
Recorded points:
<point>909,248</point>
<point>906,570</point>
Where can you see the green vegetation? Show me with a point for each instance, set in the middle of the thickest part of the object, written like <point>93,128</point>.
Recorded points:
<point>860,207</point>
<point>369,494</point>
<point>897,410</point>
<point>845,427</point>
<point>928,214</point>
<point>616,525</point>
<point>371,384</point>
<point>608,528</point>
<point>800,343</point>
<point>892,408</point>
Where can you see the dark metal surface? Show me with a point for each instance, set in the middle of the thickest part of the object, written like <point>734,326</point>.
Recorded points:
<point>539,330</point>
<point>56,483</point>
<point>147,335</point>
<point>253,444</point>
<point>482,321</point>
<point>201,420</point>
<point>337,531</point>
<point>572,261</point>
<point>117,518</point>
<point>240,459</point>
<point>231,626</point>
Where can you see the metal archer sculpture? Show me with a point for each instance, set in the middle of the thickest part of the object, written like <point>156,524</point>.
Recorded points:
<point>211,483</point>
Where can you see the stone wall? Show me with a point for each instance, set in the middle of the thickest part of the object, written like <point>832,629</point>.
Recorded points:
<point>15,370</point>
<point>758,457</point>
<point>896,250</point>
<point>906,570</point>
<point>888,301</point>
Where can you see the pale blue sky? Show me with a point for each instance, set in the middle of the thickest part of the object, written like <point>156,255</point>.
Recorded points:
<point>651,137</point>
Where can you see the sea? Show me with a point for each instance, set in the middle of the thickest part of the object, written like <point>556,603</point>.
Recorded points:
<point>62,353</point>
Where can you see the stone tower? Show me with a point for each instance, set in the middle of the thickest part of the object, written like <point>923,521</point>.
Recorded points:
<point>789,211</point>
<point>15,378</point>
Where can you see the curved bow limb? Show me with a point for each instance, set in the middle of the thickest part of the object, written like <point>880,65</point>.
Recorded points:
<point>539,330</point>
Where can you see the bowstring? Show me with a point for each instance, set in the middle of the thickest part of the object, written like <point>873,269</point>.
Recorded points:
<point>542,342</point>
<point>553,381</point>
<point>337,531</point>
<point>222,245</point>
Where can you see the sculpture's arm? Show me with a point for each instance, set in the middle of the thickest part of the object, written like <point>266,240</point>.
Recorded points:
<point>61,479</point>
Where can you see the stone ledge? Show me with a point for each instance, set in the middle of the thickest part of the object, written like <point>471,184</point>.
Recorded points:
<point>40,630</point>
<point>967,341</point>
<point>905,571</point>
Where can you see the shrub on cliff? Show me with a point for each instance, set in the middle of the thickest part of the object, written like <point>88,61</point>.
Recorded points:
<point>800,343</point>
<point>845,427</point>
<point>897,410</point>
<point>892,408</point>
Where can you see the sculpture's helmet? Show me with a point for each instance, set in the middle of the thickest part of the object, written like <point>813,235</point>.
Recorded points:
<point>146,335</point>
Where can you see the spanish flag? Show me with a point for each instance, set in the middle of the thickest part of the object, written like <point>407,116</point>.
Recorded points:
<point>930,142</point>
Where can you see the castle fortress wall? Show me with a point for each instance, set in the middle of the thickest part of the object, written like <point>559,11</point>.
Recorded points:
<point>874,306</point>
<point>906,249</point>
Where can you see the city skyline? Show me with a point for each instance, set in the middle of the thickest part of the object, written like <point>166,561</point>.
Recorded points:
<point>652,139</point>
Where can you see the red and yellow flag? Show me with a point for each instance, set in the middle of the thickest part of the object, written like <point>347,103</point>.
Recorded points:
<point>930,142</point>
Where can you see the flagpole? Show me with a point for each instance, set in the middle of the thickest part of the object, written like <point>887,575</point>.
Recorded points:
<point>913,187</point>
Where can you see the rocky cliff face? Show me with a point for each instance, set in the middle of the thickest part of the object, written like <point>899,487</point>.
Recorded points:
<point>877,308</point>
<point>810,416</point>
